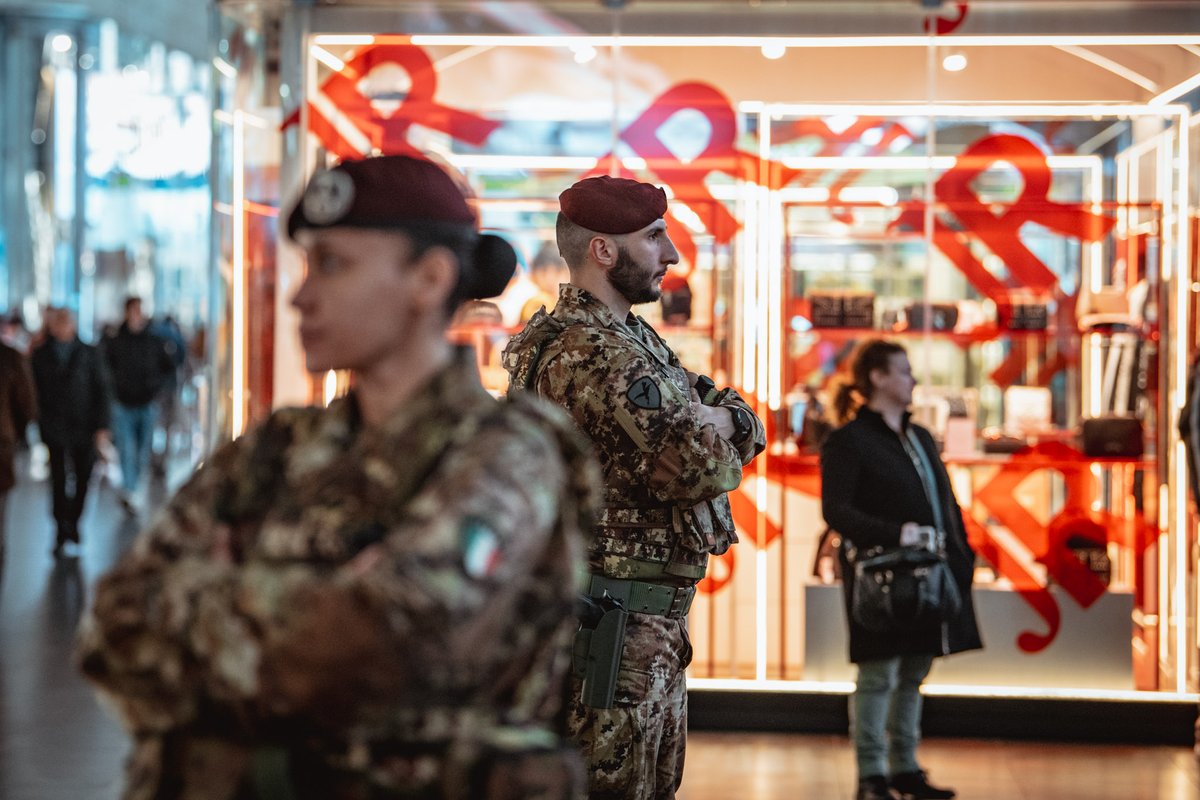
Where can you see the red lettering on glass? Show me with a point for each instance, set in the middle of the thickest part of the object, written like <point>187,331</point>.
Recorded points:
<point>943,25</point>
<point>719,155</point>
<point>388,132</point>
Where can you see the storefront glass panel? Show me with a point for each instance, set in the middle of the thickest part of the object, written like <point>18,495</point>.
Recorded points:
<point>1021,225</point>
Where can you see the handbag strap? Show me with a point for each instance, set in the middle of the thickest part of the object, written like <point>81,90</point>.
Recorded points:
<point>916,452</point>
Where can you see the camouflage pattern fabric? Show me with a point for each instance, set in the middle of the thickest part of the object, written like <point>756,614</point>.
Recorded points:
<point>636,748</point>
<point>387,609</point>
<point>665,511</point>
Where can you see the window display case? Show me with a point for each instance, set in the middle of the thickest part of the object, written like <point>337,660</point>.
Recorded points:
<point>1027,240</point>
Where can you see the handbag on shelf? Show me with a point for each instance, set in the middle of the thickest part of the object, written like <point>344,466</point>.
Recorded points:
<point>903,589</point>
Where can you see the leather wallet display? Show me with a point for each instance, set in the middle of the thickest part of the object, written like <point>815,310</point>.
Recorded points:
<point>1112,437</point>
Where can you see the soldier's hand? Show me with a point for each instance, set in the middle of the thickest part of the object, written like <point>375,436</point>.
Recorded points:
<point>331,655</point>
<point>717,416</point>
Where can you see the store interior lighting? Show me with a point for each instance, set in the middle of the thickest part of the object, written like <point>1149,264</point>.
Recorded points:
<point>774,50</point>
<point>954,62</point>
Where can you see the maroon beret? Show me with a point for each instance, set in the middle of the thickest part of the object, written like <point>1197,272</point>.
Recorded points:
<point>380,192</point>
<point>613,205</point>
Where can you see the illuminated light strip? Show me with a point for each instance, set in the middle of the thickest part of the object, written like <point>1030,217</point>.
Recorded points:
<point>564,163</point>
<point>224,67</point>
<point>1178,90</point>
<point>748,247</point>
<point>884,195</point>
<point>327,58</point>
<point>757,42</point>
<point>1116,68</point>
<point>253,120</point>
<point>1164,609</point>
<point>1033,110</point>
<point>1182,288</point>
<point>760,606</point>
<point>237,415</point>
<point>774,333</point>
<point>1101,138</point>
<point>342,38</point>
<point>1191,48</point>
<point>942,690</point>
<point>918,162</point>
<point>348,130</point>
<point>456,58</point>
<point>1096,249</point>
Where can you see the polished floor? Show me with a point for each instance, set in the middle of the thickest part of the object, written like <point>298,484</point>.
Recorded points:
<point>56,743</point>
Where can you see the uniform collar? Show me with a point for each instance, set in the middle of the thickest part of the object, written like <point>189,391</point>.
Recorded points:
<point>452,391</point>
<point>576,305</point>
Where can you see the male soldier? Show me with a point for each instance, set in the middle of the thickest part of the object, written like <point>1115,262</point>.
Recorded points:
<point>670,448</point>
<point>373,599</point>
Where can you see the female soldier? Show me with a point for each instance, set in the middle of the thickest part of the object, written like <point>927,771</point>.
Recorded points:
<point>372,599</point>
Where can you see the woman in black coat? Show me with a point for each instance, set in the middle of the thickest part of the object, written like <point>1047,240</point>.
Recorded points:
<point>879,472</point>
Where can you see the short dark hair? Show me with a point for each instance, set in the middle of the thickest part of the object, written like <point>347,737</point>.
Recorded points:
<point>132,300</point>
<point>573,240</point>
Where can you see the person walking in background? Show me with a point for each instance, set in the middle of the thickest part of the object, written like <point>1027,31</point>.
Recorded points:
<point>671,446</point>
<point>373,599</point>
<point>548,271</point>
<point>18,406</point>
<point>141,366</point>
<point>881,480</point>
<point>74,400</point>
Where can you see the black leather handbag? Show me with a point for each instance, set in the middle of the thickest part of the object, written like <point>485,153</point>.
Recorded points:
<point>903,589</point>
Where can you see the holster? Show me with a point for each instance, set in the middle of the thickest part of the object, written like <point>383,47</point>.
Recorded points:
<point>597,649</point>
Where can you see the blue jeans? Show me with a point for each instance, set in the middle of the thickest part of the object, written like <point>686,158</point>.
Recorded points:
<point>886,714</point>
<point>133,430</point>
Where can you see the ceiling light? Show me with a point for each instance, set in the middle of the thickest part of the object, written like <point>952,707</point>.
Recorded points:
<point>954,62</point>
<point>774,50</point>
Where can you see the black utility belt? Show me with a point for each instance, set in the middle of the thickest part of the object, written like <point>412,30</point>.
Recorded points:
<point>640,597</point>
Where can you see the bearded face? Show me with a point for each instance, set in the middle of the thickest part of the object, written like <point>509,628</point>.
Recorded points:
<point>637,282</point>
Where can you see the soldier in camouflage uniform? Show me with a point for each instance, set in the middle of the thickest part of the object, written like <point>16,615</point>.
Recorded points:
<point>671,446</point>
<point>372,600</point>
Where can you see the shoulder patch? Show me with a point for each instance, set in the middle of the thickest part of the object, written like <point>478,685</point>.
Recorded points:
<point>480,548</point>
<point>645,394</point>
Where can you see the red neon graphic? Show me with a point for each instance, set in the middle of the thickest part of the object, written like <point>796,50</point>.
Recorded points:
<point>720,154</point>
<point>388,133</point>
<point>1001,231</point>
<point>942,25</point>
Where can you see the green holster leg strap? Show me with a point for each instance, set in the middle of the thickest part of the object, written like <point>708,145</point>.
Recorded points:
<point>645,598</point>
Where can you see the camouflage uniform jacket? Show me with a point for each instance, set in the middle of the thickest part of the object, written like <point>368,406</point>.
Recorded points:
<point>378,603</point>
<point>665,475</point>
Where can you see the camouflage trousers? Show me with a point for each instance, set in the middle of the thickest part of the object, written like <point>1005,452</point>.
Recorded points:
<point>635,750</point>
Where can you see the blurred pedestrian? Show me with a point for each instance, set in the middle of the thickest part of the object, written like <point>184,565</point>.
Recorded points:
<point>882,481</point>
<point>74,399</point>
<point>548,271</point>
<point>372,599</point>
<point>141,366</point>
<point>18,406</point>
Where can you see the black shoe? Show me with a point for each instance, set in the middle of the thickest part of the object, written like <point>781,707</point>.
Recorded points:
<point>875,787</point>
<point>915,786</point>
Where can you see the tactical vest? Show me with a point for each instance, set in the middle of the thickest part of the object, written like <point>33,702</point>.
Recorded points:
<point>667,543</point>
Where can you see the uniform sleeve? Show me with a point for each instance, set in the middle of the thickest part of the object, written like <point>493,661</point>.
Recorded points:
<point>841,472</point>
<point>647,427</point>
<point>142,642</point>
<point>448,600</point>
<point>756,442</point>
